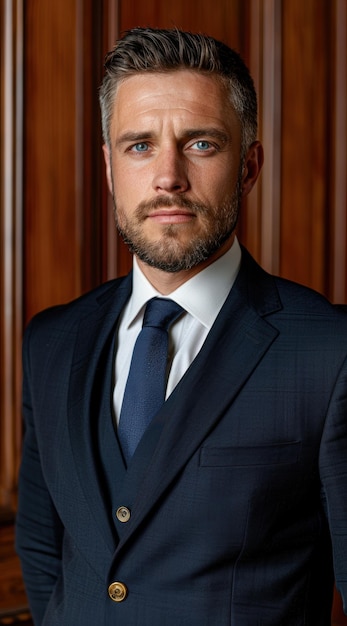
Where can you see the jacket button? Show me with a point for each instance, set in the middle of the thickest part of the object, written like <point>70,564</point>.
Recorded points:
<point>123,514</point>
<point>117,592</point>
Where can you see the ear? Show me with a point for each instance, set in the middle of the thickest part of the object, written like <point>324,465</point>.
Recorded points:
<point>107,157</point>
<point>253,163</point>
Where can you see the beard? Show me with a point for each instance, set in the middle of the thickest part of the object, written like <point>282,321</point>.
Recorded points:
<point>169,253</point>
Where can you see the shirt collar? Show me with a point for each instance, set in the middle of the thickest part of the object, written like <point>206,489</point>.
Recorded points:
<point>202,296</point>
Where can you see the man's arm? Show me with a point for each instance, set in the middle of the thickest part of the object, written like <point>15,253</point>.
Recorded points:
<point>333,468</point>
<point>39,531</point>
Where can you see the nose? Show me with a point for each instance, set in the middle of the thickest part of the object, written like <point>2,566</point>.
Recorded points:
<point>170,174</point>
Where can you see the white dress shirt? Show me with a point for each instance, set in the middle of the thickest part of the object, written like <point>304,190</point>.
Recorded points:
<point>202,297</point>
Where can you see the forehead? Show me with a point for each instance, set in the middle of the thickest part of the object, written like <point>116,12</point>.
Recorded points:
<point>187,95</point>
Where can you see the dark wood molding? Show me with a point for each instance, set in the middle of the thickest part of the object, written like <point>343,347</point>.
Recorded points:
<point>261,219</point>
<point>337,213</point>
<point>11,247</point>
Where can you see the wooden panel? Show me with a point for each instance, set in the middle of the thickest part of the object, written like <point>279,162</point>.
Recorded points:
<point>116,260</point>
<point>337,208</point>
<point>306,44</point>
<point>52,224</point>
<point>62,165</point>
<point>223,19</point>
<point>260,218</point>
<point>12,595</point>
<point>10,249</point>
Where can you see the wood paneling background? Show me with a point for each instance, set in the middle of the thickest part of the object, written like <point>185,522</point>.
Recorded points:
<point>56,225</point>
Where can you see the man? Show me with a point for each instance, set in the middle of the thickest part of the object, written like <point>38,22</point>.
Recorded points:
<point>230,506</point>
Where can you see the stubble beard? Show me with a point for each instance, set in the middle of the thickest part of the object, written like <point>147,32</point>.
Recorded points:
<point>169,253</point>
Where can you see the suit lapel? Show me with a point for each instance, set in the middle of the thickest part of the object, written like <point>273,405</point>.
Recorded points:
<point>90,389</point>
<point>235,345</point>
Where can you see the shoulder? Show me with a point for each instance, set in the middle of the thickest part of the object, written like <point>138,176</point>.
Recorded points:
<point>288,298</point>
<point>66,317</point>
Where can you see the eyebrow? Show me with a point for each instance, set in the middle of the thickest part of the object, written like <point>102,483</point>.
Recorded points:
<point>132,137</point>
<point>190,133</point>
<point>213,132</point>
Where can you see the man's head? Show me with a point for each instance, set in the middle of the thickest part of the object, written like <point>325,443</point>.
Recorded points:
<point>154,50</point>
<point>179,119</point>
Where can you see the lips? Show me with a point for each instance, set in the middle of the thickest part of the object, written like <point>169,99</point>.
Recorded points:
<point>174,215</point>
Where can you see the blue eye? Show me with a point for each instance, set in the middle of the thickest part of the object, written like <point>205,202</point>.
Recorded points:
<point>140,147</point>
<point>203,145</point>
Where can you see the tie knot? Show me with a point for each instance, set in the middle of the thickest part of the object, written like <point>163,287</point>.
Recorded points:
<point>161,313</point>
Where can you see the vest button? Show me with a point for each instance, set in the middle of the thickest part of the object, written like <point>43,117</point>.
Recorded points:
<point>123,514</point>
<point>117,592</point>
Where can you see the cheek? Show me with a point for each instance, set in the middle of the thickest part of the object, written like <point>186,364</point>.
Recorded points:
<point>215,193</point>
<point>214,183</point>
<point>122,185</point>
<point>130,186</point>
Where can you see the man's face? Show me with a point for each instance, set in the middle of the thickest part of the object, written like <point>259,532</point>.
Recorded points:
<point>173,167</point>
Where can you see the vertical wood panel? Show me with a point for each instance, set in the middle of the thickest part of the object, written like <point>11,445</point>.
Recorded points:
<point>12,592</point>
<point>63,221</point>
<point>261,219</point>
<point>116,258</point>
<point>10,248</point>
<point>306,43</point>
<point>52,224</point>
<point>222,19</point>
<point>337,218</point>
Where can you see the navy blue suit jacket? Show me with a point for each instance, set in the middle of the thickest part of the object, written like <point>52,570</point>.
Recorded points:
<point>237,492</point>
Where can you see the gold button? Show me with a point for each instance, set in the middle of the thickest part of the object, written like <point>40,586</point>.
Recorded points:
<point>117,592</point>
<point>123,514</point>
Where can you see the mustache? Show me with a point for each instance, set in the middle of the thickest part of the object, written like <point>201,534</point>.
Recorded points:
<point>167,202</point>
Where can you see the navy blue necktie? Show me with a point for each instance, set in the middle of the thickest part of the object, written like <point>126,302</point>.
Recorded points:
<point>146,385</point>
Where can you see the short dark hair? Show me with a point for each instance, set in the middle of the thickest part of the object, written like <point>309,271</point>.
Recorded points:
<point>159,50</point>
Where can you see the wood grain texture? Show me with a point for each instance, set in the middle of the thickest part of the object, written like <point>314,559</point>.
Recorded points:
<point>305,137</point>
<point>11,246</point>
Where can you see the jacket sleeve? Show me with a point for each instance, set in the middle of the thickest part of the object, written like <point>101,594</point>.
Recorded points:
<point>39,531</point>
<point>333,469</point>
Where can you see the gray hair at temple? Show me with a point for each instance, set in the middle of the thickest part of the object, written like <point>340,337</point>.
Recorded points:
<point>157,50</point>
